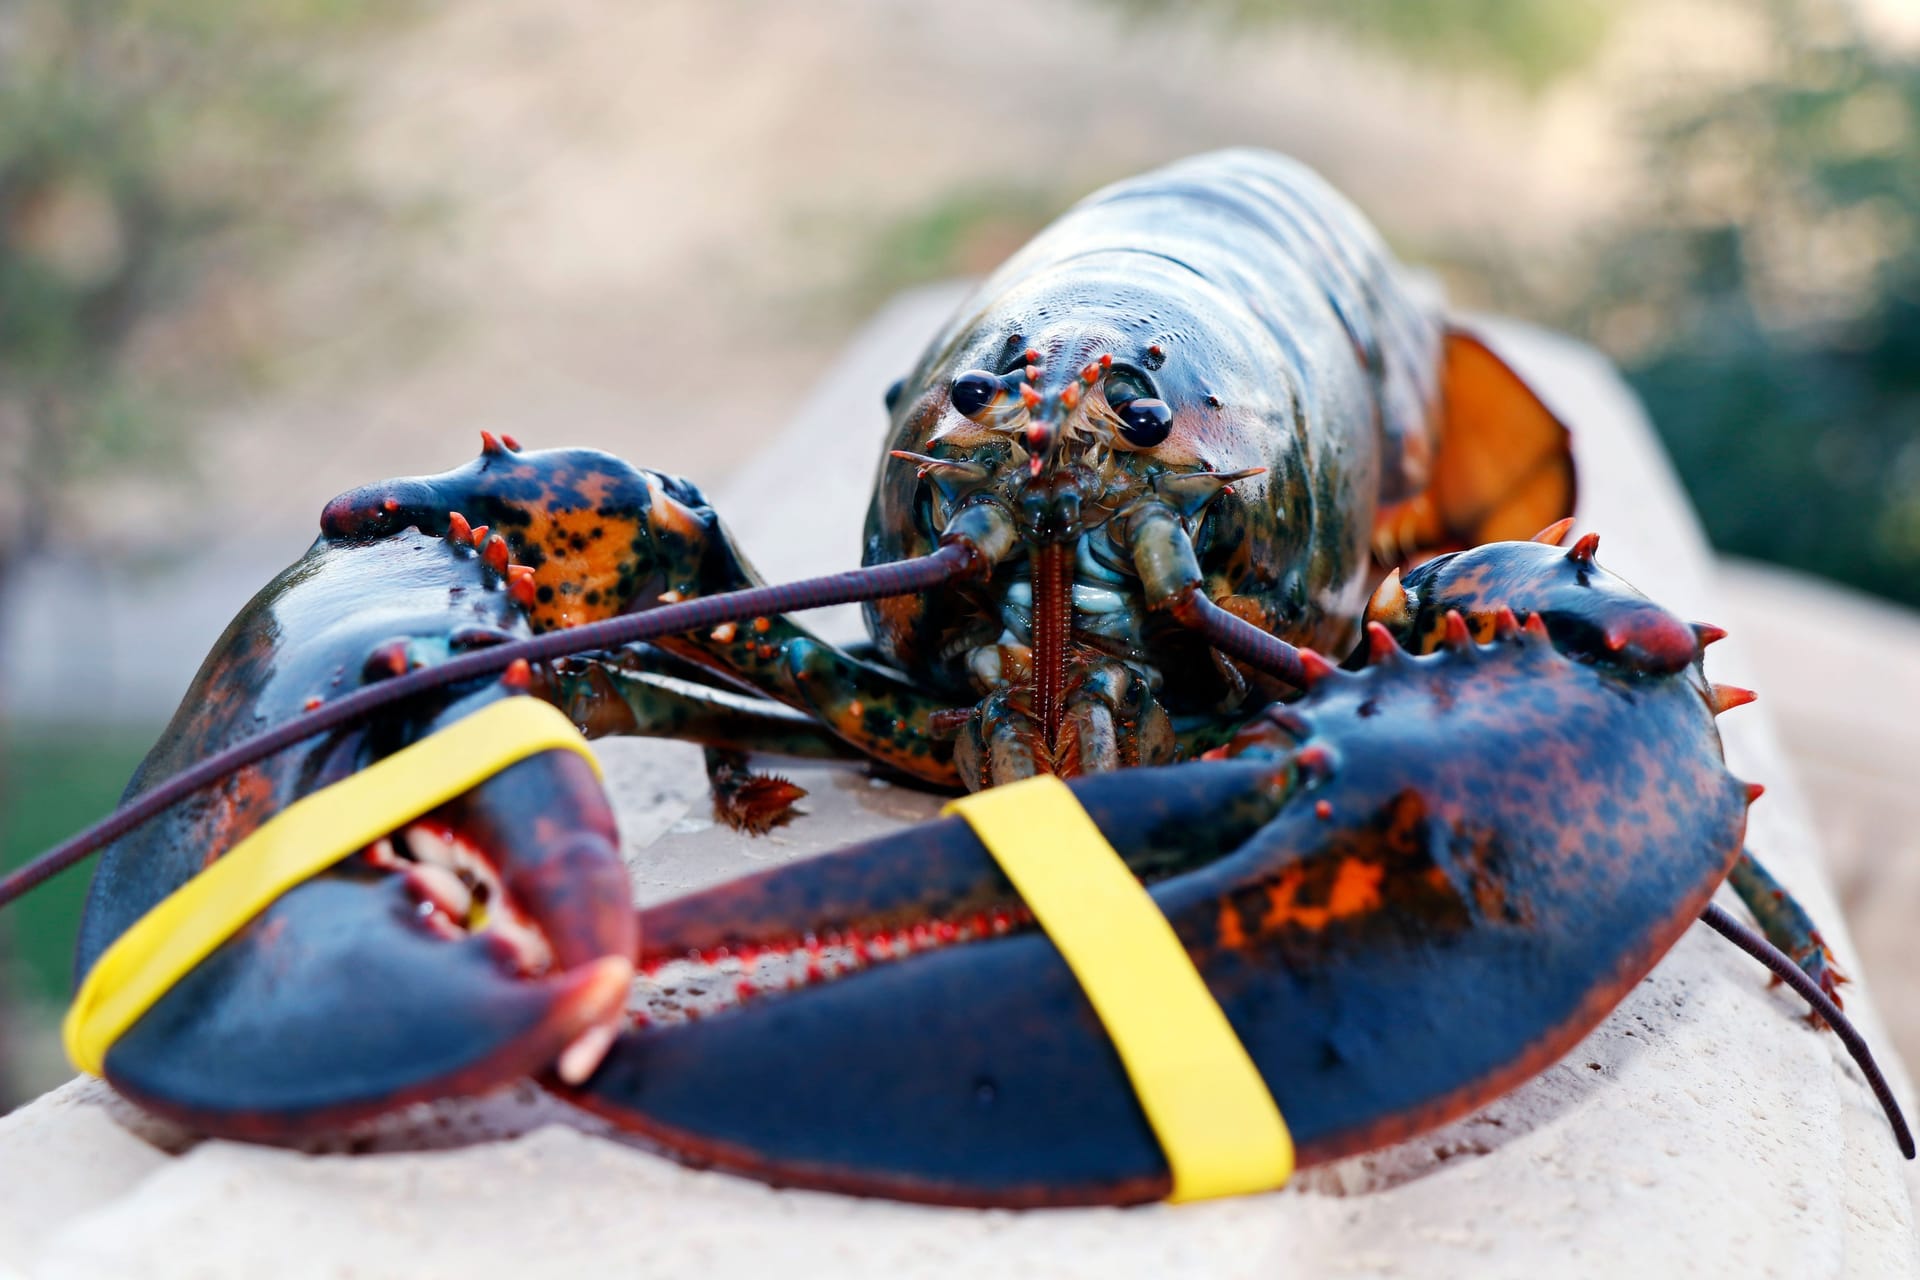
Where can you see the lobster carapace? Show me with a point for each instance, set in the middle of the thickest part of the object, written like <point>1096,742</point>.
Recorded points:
<point>1200,431</point>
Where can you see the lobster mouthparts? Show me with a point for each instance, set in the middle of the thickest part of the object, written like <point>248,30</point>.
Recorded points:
<point>1052,617</point>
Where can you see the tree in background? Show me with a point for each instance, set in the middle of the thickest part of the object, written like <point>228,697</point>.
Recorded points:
<point>157,159</point>
<point>1528,42</point>
<point>1764,299</point>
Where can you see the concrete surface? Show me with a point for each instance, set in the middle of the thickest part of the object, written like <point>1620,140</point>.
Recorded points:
<point>1703,1130</point>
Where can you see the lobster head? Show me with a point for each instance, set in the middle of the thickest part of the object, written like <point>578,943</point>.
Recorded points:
<point>1138,427</point>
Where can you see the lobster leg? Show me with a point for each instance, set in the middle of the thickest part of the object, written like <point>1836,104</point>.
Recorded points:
<point>601,538</point>
<point>626,694</point>
<point>1786,923</point>
<point>1110,720</point>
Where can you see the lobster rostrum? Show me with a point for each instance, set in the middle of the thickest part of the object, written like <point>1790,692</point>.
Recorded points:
<point>1180,435</point>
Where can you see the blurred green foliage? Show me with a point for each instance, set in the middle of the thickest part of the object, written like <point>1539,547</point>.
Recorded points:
<point>1530,42</point>
<point>965,232</point>
<point>1765,300</point>
<point>74,776</point>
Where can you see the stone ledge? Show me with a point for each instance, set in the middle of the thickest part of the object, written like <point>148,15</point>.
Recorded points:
<point>1702,1130</point>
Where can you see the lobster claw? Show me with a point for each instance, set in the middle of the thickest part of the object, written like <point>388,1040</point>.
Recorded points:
<point>486,942</point>
<point>898,1025</point>
<point>1394,941</point>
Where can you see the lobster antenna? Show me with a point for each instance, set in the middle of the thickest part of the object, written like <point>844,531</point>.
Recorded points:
<point>902,577</point>
<point>1238,638</point>
<point>1794,976</point>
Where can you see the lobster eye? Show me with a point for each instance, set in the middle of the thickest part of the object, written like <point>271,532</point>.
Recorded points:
<point>893,393</point>
<point>973,391</point>
<point>1145,422</point>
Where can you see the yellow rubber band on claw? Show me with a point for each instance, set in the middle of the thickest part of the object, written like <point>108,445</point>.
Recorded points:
<point>299,842</point>
<point>1213,1115</point>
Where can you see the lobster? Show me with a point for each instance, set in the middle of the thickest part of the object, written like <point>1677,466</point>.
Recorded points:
<point>1200,432</point>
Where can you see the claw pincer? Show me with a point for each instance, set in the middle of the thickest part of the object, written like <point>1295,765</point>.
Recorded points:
<point>464,950</point>
<point>1396,935</point>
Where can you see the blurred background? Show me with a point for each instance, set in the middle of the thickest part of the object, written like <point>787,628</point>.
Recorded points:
<point>253,252</point>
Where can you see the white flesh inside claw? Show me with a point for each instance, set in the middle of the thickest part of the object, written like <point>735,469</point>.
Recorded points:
<point>460,893</point>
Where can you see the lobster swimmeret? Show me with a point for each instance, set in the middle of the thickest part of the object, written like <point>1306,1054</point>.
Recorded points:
<point>1184,431</point>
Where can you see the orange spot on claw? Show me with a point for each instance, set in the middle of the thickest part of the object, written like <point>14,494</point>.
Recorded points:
<point>1356,889</point>
<point>1233,935</point>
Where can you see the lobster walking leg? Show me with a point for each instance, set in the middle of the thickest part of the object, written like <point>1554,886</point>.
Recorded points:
<point>602,538</point>
<point>1786,923</point>
<point>627,693</point>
